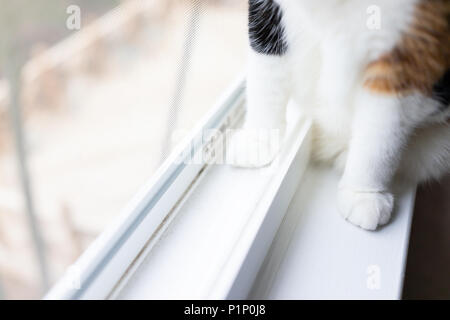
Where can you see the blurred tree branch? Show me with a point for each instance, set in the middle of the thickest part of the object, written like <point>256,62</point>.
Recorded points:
<point>21,21</point>
<point>24,23</point>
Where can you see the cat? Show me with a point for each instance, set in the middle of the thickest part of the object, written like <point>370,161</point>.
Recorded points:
<point>374,75</point>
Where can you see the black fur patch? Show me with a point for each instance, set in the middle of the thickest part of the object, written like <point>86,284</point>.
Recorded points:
<point>441,90</point>
<point>266,30</point>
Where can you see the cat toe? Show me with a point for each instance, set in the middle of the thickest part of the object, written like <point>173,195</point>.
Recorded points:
<point>252,148</point>
<point>367,210</point>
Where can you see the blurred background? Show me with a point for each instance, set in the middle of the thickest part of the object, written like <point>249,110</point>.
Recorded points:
<point>87,116</point>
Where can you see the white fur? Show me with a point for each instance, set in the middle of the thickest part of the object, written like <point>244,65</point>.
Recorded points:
<point>371,138</point>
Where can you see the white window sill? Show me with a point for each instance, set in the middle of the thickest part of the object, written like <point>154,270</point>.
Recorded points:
<point>214,227</point>
<point>216,245</point>
<point>318,255</point>
<point>225,227</point>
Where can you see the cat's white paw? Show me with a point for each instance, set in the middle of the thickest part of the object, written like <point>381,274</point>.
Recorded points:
<point>367,210</point>
<point>253,148</point>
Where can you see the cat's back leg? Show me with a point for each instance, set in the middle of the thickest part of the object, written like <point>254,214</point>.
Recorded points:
<point>427,155</point>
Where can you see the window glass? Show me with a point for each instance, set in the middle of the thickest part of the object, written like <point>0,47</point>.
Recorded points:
<point>104,85</point>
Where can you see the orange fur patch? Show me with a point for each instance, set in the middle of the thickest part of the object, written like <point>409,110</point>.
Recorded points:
<point>420,59</point>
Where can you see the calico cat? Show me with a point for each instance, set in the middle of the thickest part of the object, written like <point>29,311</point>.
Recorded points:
<point>374,75</point>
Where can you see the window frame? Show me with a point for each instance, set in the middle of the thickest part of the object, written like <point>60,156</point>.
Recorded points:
<point>106,261</point>
<point>114,259</point>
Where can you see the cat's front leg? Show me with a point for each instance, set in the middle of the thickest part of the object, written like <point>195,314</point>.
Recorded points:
<point>378,135</point>
<point>258,142</point>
